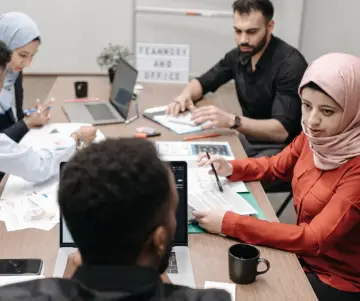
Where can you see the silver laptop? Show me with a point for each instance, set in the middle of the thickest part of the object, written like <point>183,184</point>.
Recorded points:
<point>180,269</point>
<point>107,112</point>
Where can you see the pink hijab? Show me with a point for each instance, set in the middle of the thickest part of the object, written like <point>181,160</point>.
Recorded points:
<point>338,75</point>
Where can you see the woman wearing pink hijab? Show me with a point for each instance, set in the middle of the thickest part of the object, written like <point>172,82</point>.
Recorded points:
<point>323,163</point>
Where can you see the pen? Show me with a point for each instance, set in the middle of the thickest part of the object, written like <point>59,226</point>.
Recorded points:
<point>30,111</point>
<point>131,119</point>
<point>215,173</point>
<point>201,137</point>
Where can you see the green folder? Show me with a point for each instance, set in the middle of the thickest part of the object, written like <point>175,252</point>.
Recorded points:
<point>249,198</point>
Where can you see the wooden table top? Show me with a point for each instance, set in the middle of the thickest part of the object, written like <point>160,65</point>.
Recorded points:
<point>284,281</point>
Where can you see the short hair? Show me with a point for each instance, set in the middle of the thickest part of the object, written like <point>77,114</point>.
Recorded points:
<point>248,6</point>
<point>113,195</point>
<point>5,55</point>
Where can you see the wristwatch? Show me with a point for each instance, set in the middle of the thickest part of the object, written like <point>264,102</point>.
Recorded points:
<point>237,122</point>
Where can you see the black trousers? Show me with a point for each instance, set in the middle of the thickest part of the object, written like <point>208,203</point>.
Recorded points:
<point>325,292</point>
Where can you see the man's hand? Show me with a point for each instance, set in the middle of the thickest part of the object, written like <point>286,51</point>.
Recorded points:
<point>214,117</point>
<point>73,262</point>
<point>165,278</point>
<point>180,104</point>
<point>88,134</point>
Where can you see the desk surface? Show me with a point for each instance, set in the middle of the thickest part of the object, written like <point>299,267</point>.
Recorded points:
<point>285,279</point>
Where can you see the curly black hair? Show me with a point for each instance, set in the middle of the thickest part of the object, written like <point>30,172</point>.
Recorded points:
<point>112,196</point>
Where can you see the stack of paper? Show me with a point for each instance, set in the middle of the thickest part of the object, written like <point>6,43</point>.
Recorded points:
<point>26,205</point>
<point>204,193</point>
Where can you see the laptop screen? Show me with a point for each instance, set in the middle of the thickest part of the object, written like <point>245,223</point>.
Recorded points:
<point>123,87</point>
<point>179,169</point>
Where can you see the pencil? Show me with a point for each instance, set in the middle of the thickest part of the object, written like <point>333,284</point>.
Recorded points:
<point>216,175</point>
<point>201,137</point>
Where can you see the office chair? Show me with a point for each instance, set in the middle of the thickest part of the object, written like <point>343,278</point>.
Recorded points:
<point>281,187</point>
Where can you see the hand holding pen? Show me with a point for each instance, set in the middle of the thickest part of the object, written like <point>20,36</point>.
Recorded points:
<point>40,108</point>
<point>221,166</point>
<point>38,116</point>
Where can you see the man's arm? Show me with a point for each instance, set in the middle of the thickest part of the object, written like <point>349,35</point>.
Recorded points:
<point>264,130</point>
<point>286,110</point>
<point>32,165</point>
<point>210,81</point>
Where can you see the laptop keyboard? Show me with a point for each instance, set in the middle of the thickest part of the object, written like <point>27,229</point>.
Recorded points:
<point>172,267</point>
<point>100,112</point>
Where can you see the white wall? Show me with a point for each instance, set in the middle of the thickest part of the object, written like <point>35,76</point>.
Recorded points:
<point>330,26</point>
<point>209,38</point>
<point>75,31</point>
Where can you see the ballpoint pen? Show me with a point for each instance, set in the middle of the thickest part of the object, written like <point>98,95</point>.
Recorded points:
<point>216,175</point>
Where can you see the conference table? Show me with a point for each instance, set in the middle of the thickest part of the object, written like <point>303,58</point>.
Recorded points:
<point>209,253</point>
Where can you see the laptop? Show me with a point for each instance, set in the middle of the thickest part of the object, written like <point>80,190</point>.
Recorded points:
<point>180,270</point>
<point>107,112</point>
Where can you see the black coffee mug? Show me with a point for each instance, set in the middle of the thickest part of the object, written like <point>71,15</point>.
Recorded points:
<point>81,89</point>
<point>243,263</point>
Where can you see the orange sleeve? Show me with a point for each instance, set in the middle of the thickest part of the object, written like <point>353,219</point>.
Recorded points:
<point>337,218</point>
<point>279,166</point>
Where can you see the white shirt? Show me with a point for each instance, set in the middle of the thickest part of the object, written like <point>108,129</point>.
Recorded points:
<point>34,165</point>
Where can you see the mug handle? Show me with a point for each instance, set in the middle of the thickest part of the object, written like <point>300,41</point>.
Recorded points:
<point>267,266</point>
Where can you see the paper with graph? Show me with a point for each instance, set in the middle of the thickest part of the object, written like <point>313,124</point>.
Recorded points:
<point>204,193</point>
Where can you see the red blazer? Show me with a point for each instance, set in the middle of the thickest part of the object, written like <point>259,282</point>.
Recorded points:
<point>327,203</point>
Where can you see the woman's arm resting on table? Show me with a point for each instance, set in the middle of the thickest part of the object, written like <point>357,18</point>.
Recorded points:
<point>336,219</point>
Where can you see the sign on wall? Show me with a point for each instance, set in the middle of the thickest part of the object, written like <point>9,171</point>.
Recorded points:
<point>163,63</point>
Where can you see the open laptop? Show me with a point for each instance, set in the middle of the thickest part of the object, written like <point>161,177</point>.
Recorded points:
<point>180,269</point>
<point>107,112</point>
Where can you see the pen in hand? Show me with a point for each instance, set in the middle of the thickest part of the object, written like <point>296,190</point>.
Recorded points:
<point>216,175</point>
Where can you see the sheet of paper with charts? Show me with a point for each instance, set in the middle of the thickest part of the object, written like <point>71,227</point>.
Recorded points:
<point>25,204</point>
<point>204,193</point>
<point>189,151</point>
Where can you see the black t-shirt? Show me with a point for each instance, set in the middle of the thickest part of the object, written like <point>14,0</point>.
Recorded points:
<point>271,91</point>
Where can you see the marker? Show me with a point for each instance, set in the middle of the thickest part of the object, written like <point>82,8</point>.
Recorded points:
<point>144,135</point>
<point>201,137</point>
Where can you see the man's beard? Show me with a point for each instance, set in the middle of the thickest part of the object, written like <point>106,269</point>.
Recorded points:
<point>164,262</point>
<point>246,56</point>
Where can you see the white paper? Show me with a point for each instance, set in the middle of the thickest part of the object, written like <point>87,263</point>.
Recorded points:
<point>229,287</point>
<point>155,110</point>
<point>176,127</point>
<point>200,178</point>
<point>5,280</point>
<point>24,204</point>
<point>187,151</point>
<point>204,194</point>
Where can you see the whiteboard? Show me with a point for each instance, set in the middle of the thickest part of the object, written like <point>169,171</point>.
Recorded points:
<point>74,32</point>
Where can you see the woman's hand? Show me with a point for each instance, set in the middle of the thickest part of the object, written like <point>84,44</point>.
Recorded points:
<point>41,116</point>
<point>221,165</point>
<point>211,221</point>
